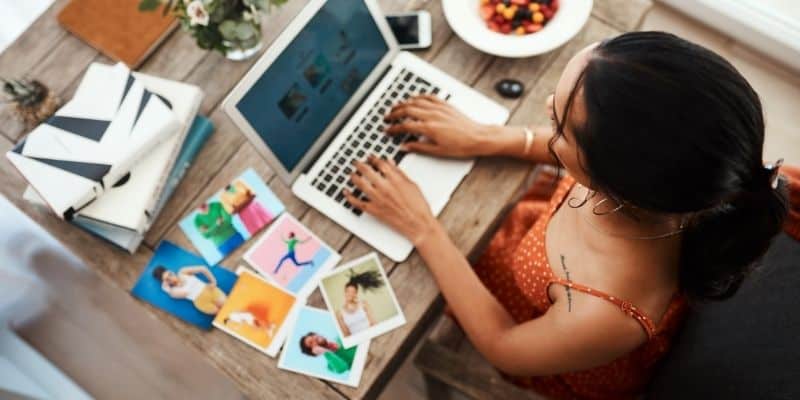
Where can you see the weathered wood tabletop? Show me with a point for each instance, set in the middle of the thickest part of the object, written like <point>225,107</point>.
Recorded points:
<point>48,53</point>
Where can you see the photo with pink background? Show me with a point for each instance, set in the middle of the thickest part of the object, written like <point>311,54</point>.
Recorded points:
<point>271,248</point>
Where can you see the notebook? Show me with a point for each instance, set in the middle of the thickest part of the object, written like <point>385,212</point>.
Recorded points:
<point>93,141</point>
<point>129,204</point>
<point>117,28</point>
<point>127,239</point>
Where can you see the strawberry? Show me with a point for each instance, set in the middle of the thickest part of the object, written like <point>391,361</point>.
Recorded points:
<point>487,11</point>
<point>523,3</point>
<point>493,26</point>
<point>505,28</point>
<point>533,28</point>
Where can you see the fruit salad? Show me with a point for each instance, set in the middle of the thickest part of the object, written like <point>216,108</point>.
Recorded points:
<point>519,17</point>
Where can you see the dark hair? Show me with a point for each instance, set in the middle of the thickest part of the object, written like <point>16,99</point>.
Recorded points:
<point>672,127</point>
<point>158,272</point>
<point>367,280</point>
<point>305,349</point>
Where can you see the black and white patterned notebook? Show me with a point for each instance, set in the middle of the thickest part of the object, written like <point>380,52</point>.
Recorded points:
<point>93,141</point>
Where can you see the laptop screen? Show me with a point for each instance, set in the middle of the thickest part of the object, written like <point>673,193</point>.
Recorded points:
<point>295,99</point>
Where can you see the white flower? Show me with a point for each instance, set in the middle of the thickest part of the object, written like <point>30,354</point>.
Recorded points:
<point>197,13</point>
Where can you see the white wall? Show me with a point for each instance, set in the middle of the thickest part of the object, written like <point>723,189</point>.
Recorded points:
<point>16,16</point>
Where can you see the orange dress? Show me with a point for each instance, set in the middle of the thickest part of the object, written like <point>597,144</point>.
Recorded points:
<point>515,269</point>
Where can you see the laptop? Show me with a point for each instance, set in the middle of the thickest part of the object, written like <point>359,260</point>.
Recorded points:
<point>315,101</point>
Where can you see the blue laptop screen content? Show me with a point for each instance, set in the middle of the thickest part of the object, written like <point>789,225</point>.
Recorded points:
<point>296,98</point>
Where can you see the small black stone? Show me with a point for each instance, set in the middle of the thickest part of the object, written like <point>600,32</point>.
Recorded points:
<point>509,88</point>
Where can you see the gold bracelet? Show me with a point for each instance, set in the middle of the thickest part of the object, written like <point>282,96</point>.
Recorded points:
<point>529,136</point>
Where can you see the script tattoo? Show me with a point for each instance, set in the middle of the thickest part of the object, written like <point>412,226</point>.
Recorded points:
<point>569,290</point>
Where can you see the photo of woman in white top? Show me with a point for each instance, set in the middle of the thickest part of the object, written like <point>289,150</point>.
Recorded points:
<point>185,285</point>
<point>356,314</point>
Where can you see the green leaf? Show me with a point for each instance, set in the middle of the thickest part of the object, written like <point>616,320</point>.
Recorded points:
<point>149,5</point>
<point>245,30</point>
<point>228,29</point>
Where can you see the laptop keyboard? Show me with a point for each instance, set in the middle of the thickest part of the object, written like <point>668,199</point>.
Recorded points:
<point>368,138</point>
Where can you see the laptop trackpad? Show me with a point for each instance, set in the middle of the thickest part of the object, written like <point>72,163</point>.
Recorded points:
<point>436,177</point>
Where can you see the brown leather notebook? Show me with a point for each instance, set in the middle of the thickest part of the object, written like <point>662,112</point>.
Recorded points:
<point>117,28</point>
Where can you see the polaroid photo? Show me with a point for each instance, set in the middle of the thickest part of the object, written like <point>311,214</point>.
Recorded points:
<point>292,256</point>
<point>231,216</point>
<point>314,348</point>
<point>257,312</point>
<point>183,285</point>
<point>361,301</point>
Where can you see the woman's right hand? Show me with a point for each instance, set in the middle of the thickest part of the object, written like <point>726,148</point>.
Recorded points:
<point>447,132</point>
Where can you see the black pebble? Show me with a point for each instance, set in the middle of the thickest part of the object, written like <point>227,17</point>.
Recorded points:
<point>509,88</point>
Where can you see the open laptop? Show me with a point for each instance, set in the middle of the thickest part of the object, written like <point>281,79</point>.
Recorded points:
<point>315,101</point>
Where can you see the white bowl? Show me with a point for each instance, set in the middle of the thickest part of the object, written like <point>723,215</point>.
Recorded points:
<point>465,20</point>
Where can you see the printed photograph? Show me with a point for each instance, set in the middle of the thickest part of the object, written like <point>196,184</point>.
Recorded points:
<point>314,347</point>
<point>257,312</point>
<point>361,301</point>
<point>291,256</point>
<point>318,71</point>
<point>231,216</point>
<point>182,284</point>
<point>292,101</point>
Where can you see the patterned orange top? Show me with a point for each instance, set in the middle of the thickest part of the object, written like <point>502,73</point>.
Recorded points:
<point>515,269</point>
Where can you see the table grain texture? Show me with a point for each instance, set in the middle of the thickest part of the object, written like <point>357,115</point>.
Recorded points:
<point>48,53</point>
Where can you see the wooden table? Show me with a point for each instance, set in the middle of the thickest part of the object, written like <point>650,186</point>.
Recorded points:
<point>48,53</point>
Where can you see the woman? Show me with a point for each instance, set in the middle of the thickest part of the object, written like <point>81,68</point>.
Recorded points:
<point>239,199</point>
<point>356,315</point>
<point>666,198</point>
<point>206,297</point>
<point>338,358</point>
<point>291,242</point>
<point>255,315</point>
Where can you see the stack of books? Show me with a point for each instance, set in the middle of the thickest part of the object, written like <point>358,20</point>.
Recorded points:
<point>111,157</point>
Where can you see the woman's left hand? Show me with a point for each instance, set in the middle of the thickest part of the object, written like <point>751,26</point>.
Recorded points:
<point>392,198</point>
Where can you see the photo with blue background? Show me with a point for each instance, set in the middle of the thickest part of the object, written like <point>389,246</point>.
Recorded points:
<point>318,321</point>
<point>173,258</point>
<point>231,229</point>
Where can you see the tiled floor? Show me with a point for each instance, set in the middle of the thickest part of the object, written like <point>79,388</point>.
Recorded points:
<point>778,87</point>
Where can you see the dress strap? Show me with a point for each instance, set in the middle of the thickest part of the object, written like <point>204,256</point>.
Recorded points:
<point>624,305</point>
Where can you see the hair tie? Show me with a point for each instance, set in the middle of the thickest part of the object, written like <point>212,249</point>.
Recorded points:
<point>772,172</point>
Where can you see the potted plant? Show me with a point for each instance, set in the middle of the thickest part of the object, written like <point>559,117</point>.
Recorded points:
<point>232,27</point>
<point>33,101</point>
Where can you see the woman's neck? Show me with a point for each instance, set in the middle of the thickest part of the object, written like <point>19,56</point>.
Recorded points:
<point>628,222</point>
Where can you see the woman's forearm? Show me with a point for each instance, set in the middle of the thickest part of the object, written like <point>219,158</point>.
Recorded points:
<point>510,141</point>
<point>477,310</point>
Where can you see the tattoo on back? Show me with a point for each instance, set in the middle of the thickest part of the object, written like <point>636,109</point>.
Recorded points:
<point>569,290</point>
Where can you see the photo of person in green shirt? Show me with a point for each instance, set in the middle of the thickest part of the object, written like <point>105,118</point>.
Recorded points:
<point>216,225</point>
<point>339,359</point>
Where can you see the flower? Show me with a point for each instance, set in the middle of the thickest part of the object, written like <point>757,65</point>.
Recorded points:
<point>197,13</point>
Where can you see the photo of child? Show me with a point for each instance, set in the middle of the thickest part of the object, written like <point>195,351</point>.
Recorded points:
<point>315,348</point>
<point>256,312</point>
<point>291,256</point>
<point>182,284</point>
<point>231,216</point>
<point>361,301</point>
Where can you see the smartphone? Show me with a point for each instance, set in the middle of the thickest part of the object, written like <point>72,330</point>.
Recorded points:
<point>412,30</point>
